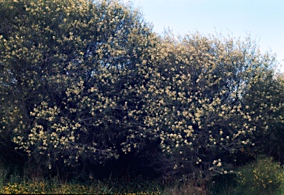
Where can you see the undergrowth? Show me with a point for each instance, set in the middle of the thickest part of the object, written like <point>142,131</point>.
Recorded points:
<point>263,176</point>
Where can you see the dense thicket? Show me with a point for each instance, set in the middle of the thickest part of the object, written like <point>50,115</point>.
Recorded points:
<point>71,70</point>
<point>204,106</point>
<point>84,82</point>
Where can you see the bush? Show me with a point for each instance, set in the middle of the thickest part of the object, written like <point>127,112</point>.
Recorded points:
<point>260,177</point>
<point>199,107</point>
<point>72,73</point>
<point>85,82</point>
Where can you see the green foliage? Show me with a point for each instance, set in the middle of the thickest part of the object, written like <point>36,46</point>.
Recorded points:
<point>85,82</point>
<point>199,106</point>
<point>46,188</point>
<point>260,177</point>
<point>95,187</point>
<point>71,73</point>
<point>266,105</point>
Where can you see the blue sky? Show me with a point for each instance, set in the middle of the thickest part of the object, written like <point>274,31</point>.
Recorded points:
<point>263,20</point>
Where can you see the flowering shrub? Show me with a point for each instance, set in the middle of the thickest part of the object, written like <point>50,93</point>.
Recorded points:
<point>71,78</point>
<point>266,107</point>
<point>87,81</point>
<point>199,108</point>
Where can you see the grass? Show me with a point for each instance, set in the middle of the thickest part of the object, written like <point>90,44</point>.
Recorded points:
<point>263,177</point>
<point>45,187</point>
<point>71,188</point>
<point>138,187</point>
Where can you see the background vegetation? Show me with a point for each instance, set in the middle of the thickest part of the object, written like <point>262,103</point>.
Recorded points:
<point>89,93</point>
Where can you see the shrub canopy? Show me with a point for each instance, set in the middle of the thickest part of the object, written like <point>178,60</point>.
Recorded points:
<point>70,73</point>
<point>89,81</point>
